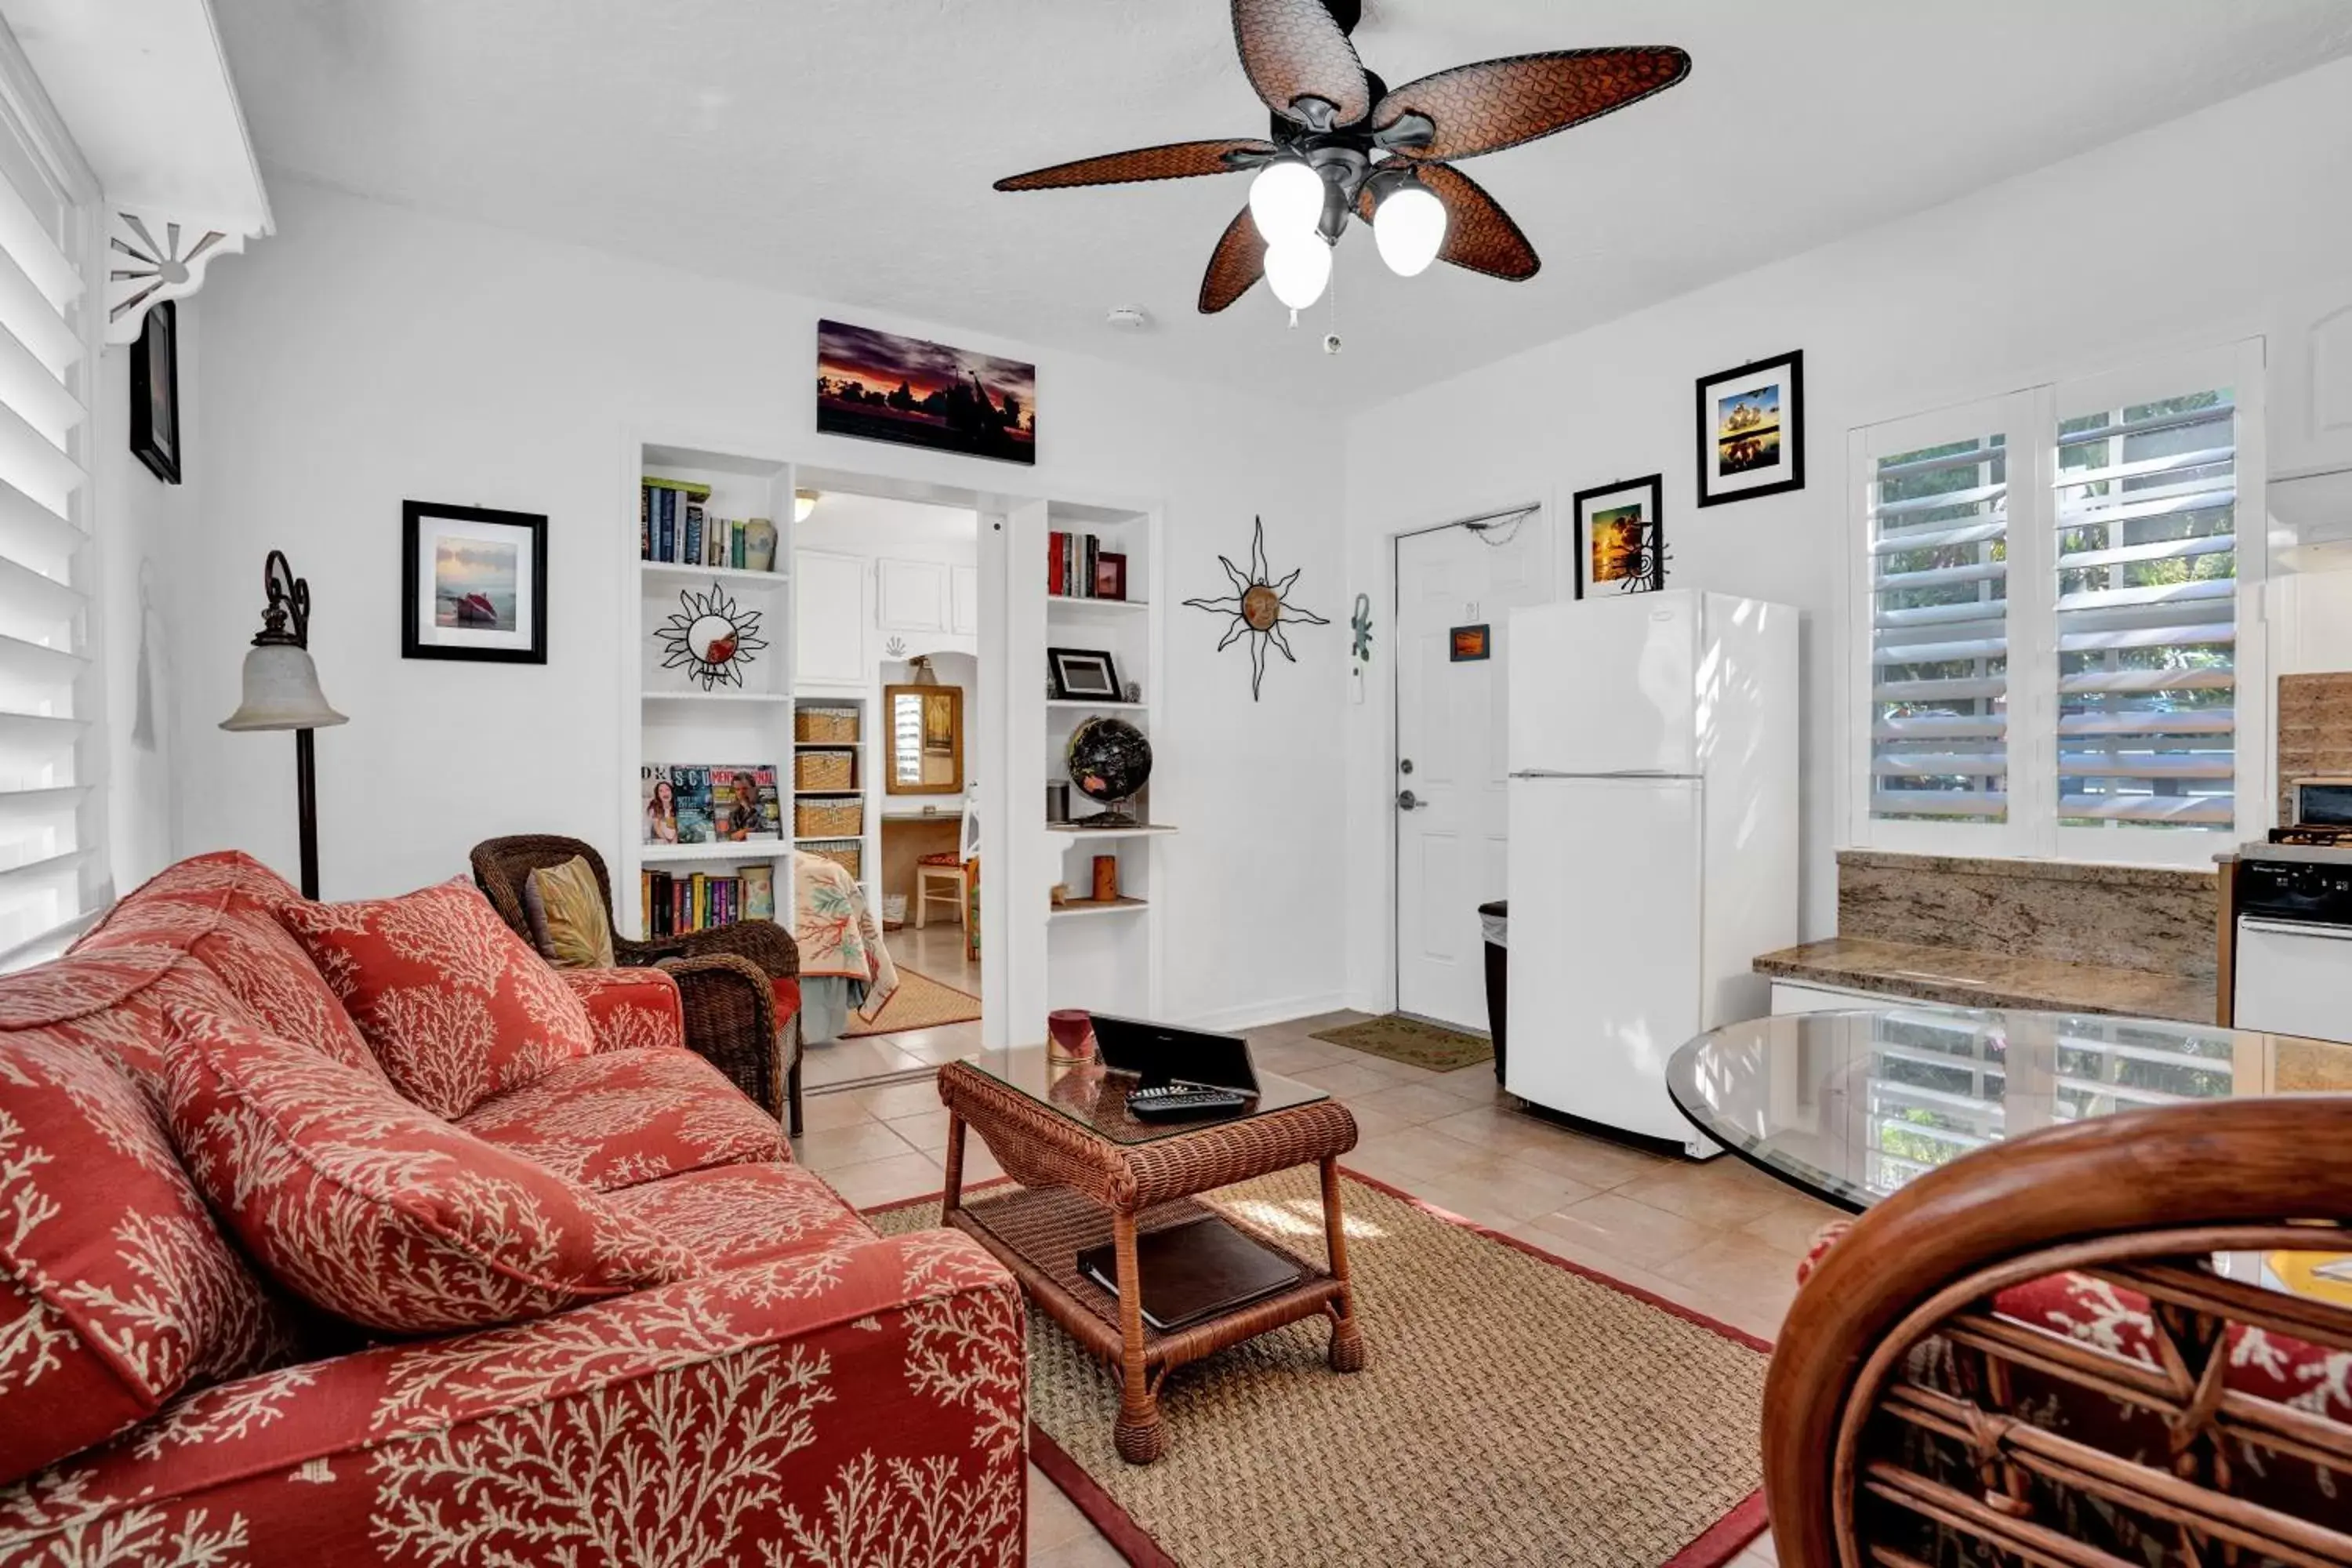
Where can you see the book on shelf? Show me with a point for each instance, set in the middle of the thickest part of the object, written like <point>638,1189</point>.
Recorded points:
<point>1073,565</point>
<point>669,904</point>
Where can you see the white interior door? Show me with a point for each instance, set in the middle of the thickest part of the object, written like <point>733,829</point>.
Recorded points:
<point>1452,730</point>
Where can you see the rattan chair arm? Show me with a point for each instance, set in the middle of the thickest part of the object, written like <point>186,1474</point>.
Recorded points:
<point>765,942</point>
<point>2075,1190</point>
<point>631,954</point>
<point>731,1021</point>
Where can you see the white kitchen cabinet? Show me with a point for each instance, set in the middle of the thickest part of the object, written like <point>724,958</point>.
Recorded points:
<point>1795,996</point>
<point>911,595</point>
<point>830,620</point>
<point>963,594</point>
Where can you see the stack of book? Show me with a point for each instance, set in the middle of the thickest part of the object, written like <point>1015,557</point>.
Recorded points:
<point>1075,568</point>
<point>674,525</point>
<point>672,905</point>
<point>693,804</point>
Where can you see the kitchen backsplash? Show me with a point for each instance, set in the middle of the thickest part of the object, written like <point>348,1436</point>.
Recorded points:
<point>2315,730</point>
<point>2121,917</point>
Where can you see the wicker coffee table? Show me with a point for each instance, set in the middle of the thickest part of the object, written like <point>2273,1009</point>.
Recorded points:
<point>1090,1172</point>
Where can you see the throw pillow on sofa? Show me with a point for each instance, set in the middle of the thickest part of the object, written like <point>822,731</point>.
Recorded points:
<point>565,906</point>
<point>381,1213</point>
<point>456,1006</point>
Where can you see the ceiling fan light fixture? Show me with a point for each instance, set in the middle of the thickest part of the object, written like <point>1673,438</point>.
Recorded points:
<point>1298,268</point>
<point>1408,226</point>
<point>1287,200</point>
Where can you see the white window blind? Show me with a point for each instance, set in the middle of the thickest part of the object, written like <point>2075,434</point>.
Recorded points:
<point>2048,650</point>
<point>46,679</point>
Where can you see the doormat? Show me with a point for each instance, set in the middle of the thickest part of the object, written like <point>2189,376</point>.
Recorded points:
<point>1514,1409</point>
<point>1409,1040</point>
<point>920,1003</point>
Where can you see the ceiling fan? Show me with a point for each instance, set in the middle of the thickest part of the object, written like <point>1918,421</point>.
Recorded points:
<point>1346,143</point>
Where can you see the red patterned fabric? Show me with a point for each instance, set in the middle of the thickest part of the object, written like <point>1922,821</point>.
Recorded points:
<point>625,1117</point>
<point>458,1007</point>
<point>742,1214</point>
<point>117,1290</point>
<point>377,1211</point>
<point>629,1009</point>
<point>944,857</point>
<point>855,1405</point>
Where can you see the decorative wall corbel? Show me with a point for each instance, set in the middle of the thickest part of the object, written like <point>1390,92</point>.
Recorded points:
<point>152,256</point>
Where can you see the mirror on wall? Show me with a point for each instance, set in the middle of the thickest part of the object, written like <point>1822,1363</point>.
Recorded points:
<point>925,736</point>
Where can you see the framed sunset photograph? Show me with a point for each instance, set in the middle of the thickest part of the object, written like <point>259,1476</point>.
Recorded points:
<point>1621,541</point>
<point>473,584</point>
<point>880,386</point>
<point>1751,430</point>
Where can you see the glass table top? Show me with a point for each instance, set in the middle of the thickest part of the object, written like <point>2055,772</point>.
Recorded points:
<point>1095,1098</point>
<point>1851,1105</point>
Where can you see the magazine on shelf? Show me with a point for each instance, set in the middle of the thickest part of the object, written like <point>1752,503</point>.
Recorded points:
<point>692,787</point>
<point>658,825</point>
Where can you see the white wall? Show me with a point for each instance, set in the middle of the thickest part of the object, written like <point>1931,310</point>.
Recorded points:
<point>368,355</point>
<point>2228,224</point>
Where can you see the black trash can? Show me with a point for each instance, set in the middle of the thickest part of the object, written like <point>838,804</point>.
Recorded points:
<point>1494,919</point>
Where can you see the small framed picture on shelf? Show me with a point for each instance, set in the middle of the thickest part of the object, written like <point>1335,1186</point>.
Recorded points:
<point>1110,575</point>
<point>1621,541</point>
<point>1083,675</point>
<point>473,584</point>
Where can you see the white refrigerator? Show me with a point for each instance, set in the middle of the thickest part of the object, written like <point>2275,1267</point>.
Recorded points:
<point>1653,796</point>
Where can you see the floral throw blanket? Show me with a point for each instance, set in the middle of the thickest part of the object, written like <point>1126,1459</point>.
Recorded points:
<point>839,937</point>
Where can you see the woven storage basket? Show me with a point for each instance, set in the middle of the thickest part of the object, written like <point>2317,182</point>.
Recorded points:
<point>848,854</point>
<point>825,770</point>
<point>828,818</point>
<point>825,725</point>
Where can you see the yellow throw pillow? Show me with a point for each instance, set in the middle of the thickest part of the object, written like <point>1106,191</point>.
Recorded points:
<point>568,924</point>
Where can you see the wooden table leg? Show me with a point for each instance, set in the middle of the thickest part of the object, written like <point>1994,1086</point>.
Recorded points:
<point>952,1198</point>
<point>1137,1435</point>
<point>1347,1339</point>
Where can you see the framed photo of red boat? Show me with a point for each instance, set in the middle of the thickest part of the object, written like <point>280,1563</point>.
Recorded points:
<point>473,584</point>
<point>880,386</point>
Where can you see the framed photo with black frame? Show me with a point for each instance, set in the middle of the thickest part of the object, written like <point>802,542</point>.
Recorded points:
<point>1083,675</point>
<point>155,392</point>
<point>1751,430</point>
<point>473,584</point>
<point>1620,537</point>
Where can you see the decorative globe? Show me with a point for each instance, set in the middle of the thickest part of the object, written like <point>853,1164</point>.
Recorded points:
<point>1110,759</point>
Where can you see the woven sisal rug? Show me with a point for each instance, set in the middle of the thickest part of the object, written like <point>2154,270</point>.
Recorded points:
<point>920,1003</point>
<point>1516,1410</point>
<point>1403,1039</point>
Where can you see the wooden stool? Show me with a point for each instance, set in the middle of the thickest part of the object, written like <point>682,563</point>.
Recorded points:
<point>938,869</point>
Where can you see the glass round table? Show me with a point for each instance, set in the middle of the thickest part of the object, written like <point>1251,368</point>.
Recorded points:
<point>1848,1106</point>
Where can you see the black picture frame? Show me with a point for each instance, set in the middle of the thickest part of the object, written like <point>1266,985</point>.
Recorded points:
<point>1787,372</point>
<point>155,392</point>
<point>1648,493</point>
<point>1057,663</point>
<point>474,643</point>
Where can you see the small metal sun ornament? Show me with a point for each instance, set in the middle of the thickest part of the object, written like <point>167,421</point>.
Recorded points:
<point>1258,609</point>
<point>711,637</point>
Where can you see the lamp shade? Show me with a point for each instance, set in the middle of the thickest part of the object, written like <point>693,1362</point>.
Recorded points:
<point>281,691</point>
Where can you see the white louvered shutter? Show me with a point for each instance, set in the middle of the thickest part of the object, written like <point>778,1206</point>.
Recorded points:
<point>46,818</point>
<point>1938,579</point>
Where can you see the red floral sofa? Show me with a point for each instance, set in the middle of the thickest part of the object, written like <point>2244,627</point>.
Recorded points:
<point>773,1384</point>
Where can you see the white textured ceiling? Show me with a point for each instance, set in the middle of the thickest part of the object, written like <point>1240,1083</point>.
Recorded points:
<point>845,147</point>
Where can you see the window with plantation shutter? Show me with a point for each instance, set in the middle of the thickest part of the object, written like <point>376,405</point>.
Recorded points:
<point>49,879</point>
<point>2049,657</point>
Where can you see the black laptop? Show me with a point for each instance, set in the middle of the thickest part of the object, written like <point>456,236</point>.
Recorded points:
<point>1161,1054</point>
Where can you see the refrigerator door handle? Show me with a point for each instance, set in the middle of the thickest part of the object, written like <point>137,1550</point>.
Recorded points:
<point>1614,774</point>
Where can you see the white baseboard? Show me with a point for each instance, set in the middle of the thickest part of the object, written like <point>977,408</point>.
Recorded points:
<point>1258,1015</point>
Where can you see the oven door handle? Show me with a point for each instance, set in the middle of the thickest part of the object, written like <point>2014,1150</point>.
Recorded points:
<point>2294,928</point>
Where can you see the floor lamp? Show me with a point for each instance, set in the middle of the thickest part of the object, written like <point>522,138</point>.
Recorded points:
<point>281,692</point>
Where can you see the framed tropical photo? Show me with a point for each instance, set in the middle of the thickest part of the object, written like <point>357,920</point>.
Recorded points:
<point>155,393</point>
<point>1083,675</point>
<point>473,584</point>
<point>1751,430</point>
<point>1620,538</point>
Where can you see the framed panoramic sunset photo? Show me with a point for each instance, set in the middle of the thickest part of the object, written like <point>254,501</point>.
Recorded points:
<point>880,386</point>
<point>1751,430</point>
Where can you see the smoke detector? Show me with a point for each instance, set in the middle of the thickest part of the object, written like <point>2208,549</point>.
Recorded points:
<point>1127,318</point>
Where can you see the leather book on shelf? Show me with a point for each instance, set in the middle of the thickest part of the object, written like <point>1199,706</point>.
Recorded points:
<point>1195,1270</point>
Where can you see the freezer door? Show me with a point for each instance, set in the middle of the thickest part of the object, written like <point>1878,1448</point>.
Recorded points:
<point>1604,946</point>
<point>1606,685</point>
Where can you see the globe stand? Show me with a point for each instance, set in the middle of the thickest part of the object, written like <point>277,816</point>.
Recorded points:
<point>1114,813</point>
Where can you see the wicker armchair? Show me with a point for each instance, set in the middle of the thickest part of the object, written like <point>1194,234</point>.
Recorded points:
<point>2029,1356</point>
<point>723,975</point>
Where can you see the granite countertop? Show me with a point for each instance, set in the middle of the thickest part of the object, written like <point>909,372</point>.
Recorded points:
<point>1966,977</point>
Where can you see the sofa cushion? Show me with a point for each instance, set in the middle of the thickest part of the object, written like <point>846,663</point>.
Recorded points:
<point>378,1212</point>
<point>116,1290</point>
<point>457,1007</point>
<point>624,1116</point>
<point>630,1009</point>
<point>565,906</point>
<point>734,1214</point>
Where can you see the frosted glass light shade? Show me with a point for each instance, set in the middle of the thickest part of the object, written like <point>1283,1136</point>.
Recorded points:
<point>804,503</point>
<point>281,691</point>
<point>1409,228</point>
<point>1298,270</point>
<point>1286,201</point>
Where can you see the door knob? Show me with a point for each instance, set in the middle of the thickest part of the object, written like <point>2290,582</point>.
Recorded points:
<point>1406,800</point>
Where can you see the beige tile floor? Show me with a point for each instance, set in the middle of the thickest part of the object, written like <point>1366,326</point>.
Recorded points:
<point>1719,1237</point>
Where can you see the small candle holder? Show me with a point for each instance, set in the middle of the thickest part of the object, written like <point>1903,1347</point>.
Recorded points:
<point>1070,1035</point>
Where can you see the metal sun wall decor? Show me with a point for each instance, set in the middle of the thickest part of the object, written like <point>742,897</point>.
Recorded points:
<point>1259,607</point>
<point>711,637</point>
